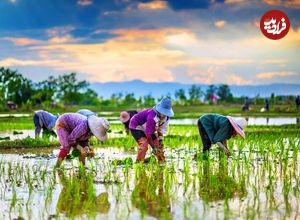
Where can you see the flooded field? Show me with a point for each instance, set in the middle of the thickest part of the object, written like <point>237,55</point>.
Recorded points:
<point>259,181</point>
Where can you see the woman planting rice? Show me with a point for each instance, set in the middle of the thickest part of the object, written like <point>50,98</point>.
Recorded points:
<point>44,120</point>
<point>216,129</point>
<point>125,117</point>
<point>148,126</point>
<point>74,129</point>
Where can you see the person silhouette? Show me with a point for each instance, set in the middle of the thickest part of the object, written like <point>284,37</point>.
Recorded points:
<point>150,195</point>
<point>217,184</point>
<point>78,196</point>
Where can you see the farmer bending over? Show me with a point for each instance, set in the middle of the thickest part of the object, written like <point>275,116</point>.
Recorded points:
<point>216,129</point>
<point>125,117</point>
<point>44,120</point>
<point>148,126</point>
<point>74,129</point>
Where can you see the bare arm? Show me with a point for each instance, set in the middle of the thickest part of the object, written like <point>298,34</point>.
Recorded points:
<point>224,148</point>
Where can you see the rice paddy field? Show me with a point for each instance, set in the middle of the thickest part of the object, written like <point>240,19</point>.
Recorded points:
<point>261,180</point>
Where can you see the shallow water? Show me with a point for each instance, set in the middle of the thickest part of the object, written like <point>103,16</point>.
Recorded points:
<point>15,115</point>
<point>23,133</point>
<point>251,121</point>
<point>174,191</point>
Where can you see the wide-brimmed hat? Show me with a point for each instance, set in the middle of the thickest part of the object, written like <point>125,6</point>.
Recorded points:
<point>124,116</point>
<point>165,107</point>
<point>238,124</point>
<point>98,126</point>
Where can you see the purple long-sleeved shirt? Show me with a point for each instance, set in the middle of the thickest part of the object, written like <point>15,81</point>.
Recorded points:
<point>76,126</point>
<point>148,121</point>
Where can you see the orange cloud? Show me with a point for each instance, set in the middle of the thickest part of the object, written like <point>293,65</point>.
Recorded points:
<point>134,54</point>
<point>235,79</point>
<point>286,3</point>
<point>215,62</point>
<point>275,61</point>
<point>16,62</point>
<point>207,76</point>
<point>84,2</point>
<point>269,75</point>
<point>155,5</point>
<point>150,34</point>
<point>23,41</point>
<point>220,24</point>
<point>182,39</point>
<point>234,1</point>
<point>62,40</point>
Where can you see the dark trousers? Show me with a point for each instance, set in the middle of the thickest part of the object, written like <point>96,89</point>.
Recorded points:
<point>137,134</point>
<point>204,137</point>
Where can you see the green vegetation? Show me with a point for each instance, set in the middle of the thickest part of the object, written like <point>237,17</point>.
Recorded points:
<point>66,93</point>
<point>28,143</point>
<point>259,181</point>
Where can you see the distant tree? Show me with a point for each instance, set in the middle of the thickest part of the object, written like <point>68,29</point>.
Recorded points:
<point>90,97</point>
<point>180,95</point>
<point>195,93</point>
<point>69,89</point>
<point>224,93</point>
<point>212,89</point>
<point>272,99</point>
<point>149,100</point>
<point>115,98</point>
<point>129,99</point>
<point>45,91</point>
<point>14,87</point>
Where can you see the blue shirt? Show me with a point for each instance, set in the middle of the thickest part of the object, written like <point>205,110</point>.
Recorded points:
<point>217,127</point>
<point>46,119</point>
<point>86,112</point>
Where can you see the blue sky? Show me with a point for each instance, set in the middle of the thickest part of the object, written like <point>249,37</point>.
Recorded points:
<point>188,41</point>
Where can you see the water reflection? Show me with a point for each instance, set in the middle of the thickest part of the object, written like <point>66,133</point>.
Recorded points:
<point>78,195</point>
<point>150,194</point>
<point>250,120</point>
<point>216,184</point>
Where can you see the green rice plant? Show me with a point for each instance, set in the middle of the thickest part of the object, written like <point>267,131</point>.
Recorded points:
<point>28,143</point>
<point>14,199</point>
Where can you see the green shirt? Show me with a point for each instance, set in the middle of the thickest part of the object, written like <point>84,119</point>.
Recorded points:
<point>217,127</point>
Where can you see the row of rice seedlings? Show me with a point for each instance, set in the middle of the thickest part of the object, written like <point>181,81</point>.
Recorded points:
<point>258,170</point>
<point>18,176</point>
<point>273,160</point>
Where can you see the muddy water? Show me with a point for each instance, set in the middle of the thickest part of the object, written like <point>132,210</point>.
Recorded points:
<point>251,121</point>
<point>14,115</point>
<point>21,134</point>
<point>122,193</point>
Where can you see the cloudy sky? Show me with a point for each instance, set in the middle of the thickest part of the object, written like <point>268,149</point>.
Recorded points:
<point>188,41</point>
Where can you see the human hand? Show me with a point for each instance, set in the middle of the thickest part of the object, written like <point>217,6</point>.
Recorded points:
<point>91,152</point>
<point>161,143</point>
<point>224,148</point>
<point>83,151</point>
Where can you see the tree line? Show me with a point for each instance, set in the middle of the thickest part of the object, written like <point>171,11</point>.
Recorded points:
<point>68,90</point>
<point>14,87</point>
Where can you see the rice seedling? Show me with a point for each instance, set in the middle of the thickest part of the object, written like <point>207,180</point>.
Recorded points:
<point>259,180</point>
